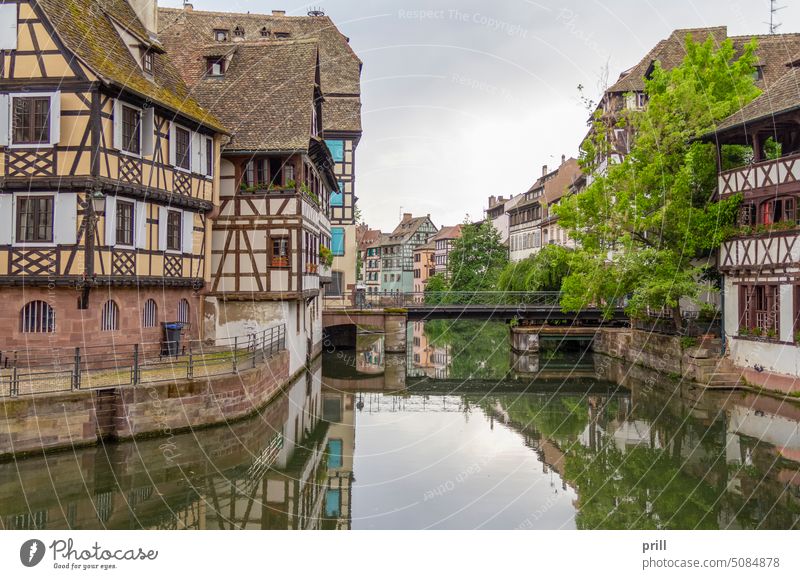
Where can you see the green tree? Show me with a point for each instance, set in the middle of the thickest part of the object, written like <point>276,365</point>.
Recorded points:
<point>643,224</point>
<point>476,259</point>
<point>541,272</point>
<point>435,289</point>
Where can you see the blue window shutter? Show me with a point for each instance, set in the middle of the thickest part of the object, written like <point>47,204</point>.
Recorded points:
<point>337,199</point>
<point>337,149</point>
<point>337,240</point>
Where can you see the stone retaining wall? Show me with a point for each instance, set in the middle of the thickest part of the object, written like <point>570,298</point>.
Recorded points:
<point>64,420</point>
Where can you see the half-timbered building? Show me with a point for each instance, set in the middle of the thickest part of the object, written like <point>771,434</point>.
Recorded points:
<point>760,160</point>
<point>107,176</point>
<point>203,34</point>
<point>276,180</point>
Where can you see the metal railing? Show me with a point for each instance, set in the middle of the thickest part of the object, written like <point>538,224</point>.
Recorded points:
<point>35,371</point>
<point>476,298</point>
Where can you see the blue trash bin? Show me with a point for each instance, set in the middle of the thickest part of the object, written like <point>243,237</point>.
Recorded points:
<point>171,345</point>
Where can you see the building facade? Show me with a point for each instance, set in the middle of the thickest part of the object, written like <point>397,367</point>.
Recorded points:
<point>424,265</point>
<point>529,225</point>
<point>397,252</point>
<point>443,244</point>
<point>109,176</point>
<point>340,86</point>
<point>760,263</point>
<point>276,181</point>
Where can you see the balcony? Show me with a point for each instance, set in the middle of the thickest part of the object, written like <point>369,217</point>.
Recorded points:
<point>767,177</point>
<point>324,272</point>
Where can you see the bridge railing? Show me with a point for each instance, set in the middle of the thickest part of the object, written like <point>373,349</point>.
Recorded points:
<point>476,298</point>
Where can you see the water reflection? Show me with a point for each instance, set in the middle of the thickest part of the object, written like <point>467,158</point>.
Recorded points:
<point>459,433</point>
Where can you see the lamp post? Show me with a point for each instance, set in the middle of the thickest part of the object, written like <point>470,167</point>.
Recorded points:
<point>94,205</point>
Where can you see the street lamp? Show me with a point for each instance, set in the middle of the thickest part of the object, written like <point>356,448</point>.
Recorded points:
<point>95,205</point>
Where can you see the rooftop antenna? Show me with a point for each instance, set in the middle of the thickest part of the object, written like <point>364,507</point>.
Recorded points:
<point>316,11</point>
<point>773,9</point>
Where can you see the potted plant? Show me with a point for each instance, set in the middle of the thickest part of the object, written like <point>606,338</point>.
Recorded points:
<point>744,331</point>
<point>756,332</point>
<point>772,334</point>
<point>325,256</point>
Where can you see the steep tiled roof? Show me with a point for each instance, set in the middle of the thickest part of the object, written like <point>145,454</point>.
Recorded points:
<point>553,185</point>
<point>669,53</point>
<point>782,96</point>
<point>405,230</point>
<point>450,232</point>
<point>340,68</point>
<point>86,29</point>
<point>266,95</point>
<point>369,238</point>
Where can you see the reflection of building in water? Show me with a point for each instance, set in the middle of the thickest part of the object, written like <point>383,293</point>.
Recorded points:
<point>421,352</point>
<point>441,362</point>
<point>369,356</point>
<point>338,411</point>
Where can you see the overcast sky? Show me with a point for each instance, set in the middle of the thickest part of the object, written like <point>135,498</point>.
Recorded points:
<point>468,98</point>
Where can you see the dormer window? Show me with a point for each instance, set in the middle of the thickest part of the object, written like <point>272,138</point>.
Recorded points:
<point>215,66</point>
<point>238,32</point>
<point>221,35</point>
<point>282,35</point>
<point>758,73</point>
<point>264,32</point>
<point>147,61</point>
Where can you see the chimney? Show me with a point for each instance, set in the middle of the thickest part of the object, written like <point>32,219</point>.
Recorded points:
<point>188,6</point>
<point>544,170</point>
<point>563,159</point>
<point>406,217</point>
<point>492,201</point>
<point>279,12</point>
<point>147,11</point>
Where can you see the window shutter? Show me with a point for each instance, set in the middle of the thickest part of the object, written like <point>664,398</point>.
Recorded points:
<point>118,124</point>
<point>187,234</point>
<point>140,225</point>
<point>162,228</point>
<point>65,226</point>
<point>5,125</point>
<point>202,144</point>
<point>172,155</point>
<point>55,118</point>
<point>148,132</point>
<point>196,153</point>
<point>6,218</point>
<point>8,26</point>
<point>111,221</point>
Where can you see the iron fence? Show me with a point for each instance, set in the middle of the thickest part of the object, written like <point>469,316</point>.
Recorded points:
<point>477,298</point>
<point>42,371</point>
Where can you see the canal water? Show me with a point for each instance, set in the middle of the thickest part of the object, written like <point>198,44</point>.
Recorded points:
<point>459,433</point>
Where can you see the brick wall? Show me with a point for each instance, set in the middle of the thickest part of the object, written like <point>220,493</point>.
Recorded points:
<point>67,419</point>
<point>74,327</point>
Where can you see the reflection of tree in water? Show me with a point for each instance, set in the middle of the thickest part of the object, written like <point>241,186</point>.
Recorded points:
<point>476,349</point>
<point>658,465</point>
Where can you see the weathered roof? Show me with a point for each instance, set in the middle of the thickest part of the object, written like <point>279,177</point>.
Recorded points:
<point>449,232</point>
<point>340,68</point>
<point>781,97</point>
<point>775,52</point>
<point>86,29</point>
<point>669,53</point>
<point>430,246</point>
<point>553,185</point>
<point>266,96</point>
<point>369,238</point>
<point>404,230</point>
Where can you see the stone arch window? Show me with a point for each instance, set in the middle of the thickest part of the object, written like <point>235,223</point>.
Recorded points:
<point>183,311</point>
<point>109,317</point>
<point>38,317</point>
<point>150,314</point>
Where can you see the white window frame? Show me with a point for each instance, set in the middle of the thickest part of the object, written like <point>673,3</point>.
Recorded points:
<point>209,143</point>
<point>118,144</point>
<point>55,119</point>
<point>113,222</point>
<point>62,218</point>
<point>163,218</point>
<point>173,150</point>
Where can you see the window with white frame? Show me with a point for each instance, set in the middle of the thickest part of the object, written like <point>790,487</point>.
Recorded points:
<point>32,119</point>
